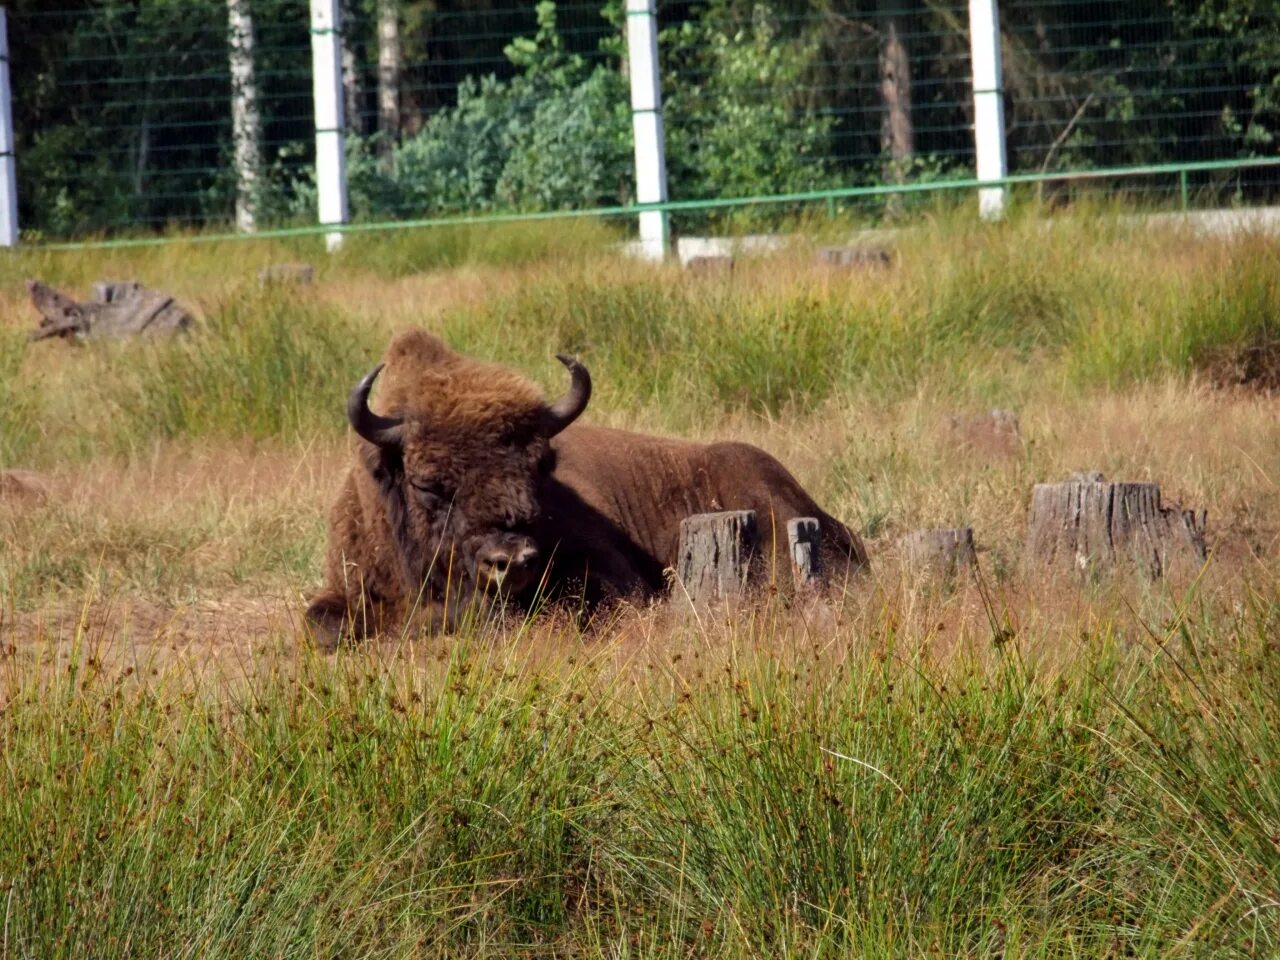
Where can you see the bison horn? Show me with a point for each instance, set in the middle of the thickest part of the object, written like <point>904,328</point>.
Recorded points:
<point>567,409</point>
<point>378,430</point>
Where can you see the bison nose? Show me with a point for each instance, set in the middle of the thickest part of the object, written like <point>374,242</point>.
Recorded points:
<point>494,564</point>
<point>506,567</point>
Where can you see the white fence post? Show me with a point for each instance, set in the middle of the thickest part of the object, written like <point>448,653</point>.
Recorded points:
<point>646,125</point>
<point>326,76</point>
<point>988,104</point>
<point>8,173</point>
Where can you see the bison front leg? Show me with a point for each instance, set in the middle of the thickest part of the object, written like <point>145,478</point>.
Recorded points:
<point>331,619</point>
<point>327,620</point>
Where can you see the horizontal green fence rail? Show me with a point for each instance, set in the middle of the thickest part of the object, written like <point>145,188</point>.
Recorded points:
<point>630,210</point>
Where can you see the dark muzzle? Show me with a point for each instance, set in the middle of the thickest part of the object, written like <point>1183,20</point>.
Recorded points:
<point>506,563</point>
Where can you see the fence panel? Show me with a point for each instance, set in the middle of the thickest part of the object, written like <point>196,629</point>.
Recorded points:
<point>497,108</point>
<point>123,108</point>
<point>1095,85</point>
<point>122,112</point>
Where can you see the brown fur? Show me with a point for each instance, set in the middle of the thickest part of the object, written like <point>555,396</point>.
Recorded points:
<point>612,506</point>
<point>408,524</point>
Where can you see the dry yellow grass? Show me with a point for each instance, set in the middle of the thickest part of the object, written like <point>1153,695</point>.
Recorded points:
<point>210,535</point>
<point>210,552</point>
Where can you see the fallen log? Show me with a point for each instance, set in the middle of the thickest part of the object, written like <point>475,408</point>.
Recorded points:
<point>119,309</point>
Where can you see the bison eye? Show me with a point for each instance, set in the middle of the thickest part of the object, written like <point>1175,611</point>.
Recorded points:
<point>429,488</point>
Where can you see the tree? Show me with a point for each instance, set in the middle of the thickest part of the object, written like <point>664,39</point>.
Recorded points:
<point>246,121</point>
<point>389,68</point>
<point>897,138</point>
<point>352,112</point>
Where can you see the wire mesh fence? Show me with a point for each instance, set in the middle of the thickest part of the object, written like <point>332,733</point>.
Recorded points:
<point>125,112</point>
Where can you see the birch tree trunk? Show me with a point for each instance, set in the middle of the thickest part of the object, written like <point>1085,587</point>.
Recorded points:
<point>389,64</point>
<point>897,136</point>
<point>352,113</point>
<point>246,120</point>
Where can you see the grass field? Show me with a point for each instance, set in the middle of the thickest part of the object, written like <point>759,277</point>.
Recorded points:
<point>1010,766</point>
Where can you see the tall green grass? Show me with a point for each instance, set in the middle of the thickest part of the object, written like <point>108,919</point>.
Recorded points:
<point>21,407</point>
<point>1080,791</point>
<point>1088,300</point>
<point>762,798</point>
<point>1093,300</point>
<point>403,253</point>
<point>183,261</point>
<point>265,364</point>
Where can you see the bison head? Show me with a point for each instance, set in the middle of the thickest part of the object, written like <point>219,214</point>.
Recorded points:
<point>457,457</point>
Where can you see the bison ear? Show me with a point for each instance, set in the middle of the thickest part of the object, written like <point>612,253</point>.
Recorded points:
<point>569,407</point>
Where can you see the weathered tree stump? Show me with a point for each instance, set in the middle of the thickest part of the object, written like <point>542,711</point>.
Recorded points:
<point>716,552</point>
<point>1088,525</point>
<point>939,552</point>
<point>297,274</point>
<point>713,265</point>
<point>804,537</point>
<point>23,486</point>
<point>855,256</point>
<point>118,309</point>
<point>993,433</point>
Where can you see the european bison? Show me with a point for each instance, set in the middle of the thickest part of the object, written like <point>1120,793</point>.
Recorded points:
<point>611,508</point>
<point>435,513</point>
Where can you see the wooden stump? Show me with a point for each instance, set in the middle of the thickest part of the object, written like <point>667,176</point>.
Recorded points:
<point>716,550</point>
<point>118,309</point>
<point>995,433</point>
<point>1089,525</point>
<point>718,265</point>
<point>938,552</point>
<point>804,537</point>
<point>23,486</point>
<point>297,274</point>
<point>855,256</point>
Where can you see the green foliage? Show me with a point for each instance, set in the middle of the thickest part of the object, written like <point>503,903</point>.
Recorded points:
<point>402,253</point>
<point>554,136</point>
<point>750,126</point>
<point>122,119</point>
